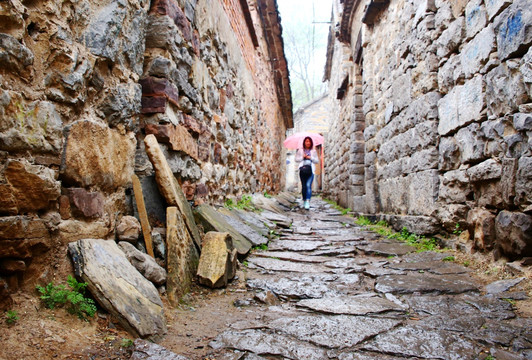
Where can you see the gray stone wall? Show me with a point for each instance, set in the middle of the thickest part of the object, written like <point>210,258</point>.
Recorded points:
<point>82,83</point>
<point>447,107</point>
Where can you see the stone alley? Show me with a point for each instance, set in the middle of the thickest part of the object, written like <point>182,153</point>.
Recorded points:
<point>327,288</point>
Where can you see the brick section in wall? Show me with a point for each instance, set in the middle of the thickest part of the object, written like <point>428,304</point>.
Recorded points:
<point>236,14</point>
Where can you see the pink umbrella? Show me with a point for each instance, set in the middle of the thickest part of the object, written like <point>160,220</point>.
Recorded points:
<point>295,141</point>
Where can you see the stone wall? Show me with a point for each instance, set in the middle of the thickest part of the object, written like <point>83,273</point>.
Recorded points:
<point>433,117</point>
<point>82,83</point>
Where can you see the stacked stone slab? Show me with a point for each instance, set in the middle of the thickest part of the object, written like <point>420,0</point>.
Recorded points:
<point>82,84</point>
<point>446,104</point>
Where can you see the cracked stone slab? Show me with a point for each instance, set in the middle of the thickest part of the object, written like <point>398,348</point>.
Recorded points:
<point>502,285</point>
<point>375,271</point>
<point>484,306</point>
<point>367,355</point>
<point>335,232</point>
<point>301,237</point>
<point>333,332</point>
<point>387,248</point>
<point>423,342</point>
<point>425,283</point>
<point>274,217</point>
<point>349,238</point>
<point>350,305</point>
<point>304,287</point>
<point>348,265</point>
<point>425,256</point>
<point>435,267</point>
<point>262,342</point>
<point>335,251</point>
<point>291,256</point>
<point>290,245</point>
<point>282,265</point>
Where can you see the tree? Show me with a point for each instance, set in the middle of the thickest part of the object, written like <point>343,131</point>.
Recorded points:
<point>305,50</point>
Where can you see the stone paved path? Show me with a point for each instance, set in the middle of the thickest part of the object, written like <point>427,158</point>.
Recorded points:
<point>336,291</point>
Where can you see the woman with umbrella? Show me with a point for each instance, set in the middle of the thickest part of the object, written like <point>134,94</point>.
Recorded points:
<point>307,157</point>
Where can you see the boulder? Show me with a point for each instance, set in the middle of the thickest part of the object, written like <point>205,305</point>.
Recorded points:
<point>28,187</point>
<point>212,220</point>
<point>514,233</point>
<point>118,287</point>
<point>144,263</point>
<point>96,156</point>
<point>218,260</point>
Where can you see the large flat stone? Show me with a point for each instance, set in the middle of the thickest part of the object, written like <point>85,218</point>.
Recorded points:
<point>212,220</point>
<point>305,286</point>
<point>332,331</point>
<point>417,341</point>
<point>299,245</point>
<point>287,266</point>
<point>253,236</point>
<point>387,248</point>
<point>268,343</point>
<point>425,283</point>
<point>182,256</point>
<point>118,287</point>
<point>351,305</point>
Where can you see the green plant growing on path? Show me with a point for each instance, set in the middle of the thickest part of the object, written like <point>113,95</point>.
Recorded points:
<point>11,317</point>
<point>421,243</point>
<point>58,295</point>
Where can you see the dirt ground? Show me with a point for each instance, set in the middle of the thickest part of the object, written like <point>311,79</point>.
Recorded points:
<point>41,333</point>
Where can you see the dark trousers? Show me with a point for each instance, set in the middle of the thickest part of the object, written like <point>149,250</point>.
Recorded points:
<point>306,185</point>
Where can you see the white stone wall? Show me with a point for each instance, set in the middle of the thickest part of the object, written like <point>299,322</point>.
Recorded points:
<point>447,104</point>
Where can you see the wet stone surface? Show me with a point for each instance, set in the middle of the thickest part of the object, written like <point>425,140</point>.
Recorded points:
<point>327,289</point>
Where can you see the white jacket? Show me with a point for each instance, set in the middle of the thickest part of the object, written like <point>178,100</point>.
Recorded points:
<point>313,159</point>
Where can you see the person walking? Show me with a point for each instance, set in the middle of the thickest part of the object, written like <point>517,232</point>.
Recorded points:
<point>307,157</point>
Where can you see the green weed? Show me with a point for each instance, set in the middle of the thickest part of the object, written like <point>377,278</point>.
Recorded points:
<point>263,247</point>
<point>126,343</point>
<point>363,221</point>
<point>11,317</point>
<point>245,203</point>
<point>74,299</point>
<point>382,228</point>
<point>448,258</point>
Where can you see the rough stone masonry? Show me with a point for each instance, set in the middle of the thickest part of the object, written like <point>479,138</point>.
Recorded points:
<point>83,82</point>
<point>433,117</point>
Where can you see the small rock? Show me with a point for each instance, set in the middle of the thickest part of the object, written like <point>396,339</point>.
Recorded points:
<point>128,229</point>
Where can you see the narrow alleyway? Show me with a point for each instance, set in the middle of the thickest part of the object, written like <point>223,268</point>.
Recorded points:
<point>328,289</point>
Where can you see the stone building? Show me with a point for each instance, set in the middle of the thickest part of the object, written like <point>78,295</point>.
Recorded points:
<point>82,83</point>
<point>433,117</point>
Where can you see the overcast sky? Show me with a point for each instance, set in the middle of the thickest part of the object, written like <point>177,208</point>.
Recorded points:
<point>314,16</point>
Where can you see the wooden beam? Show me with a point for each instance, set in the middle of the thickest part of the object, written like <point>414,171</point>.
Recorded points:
<point>143,215</point>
